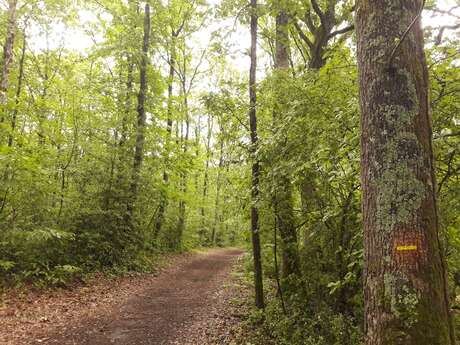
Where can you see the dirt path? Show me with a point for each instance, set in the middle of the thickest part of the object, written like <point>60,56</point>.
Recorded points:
<point>160,311</point>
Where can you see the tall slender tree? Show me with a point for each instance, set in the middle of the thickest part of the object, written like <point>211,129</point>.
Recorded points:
<point>204,197</point>
<point>282,189</point>
<point>7,56</point>
<point>18,88</point>
<point>255,226</point>
<point>169,124</point>
<point>406,299</point>
<point>181,219</point>
<point>218,189</point>
<point>141,119</point>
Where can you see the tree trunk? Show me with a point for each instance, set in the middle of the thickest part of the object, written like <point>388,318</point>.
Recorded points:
<point>118,188</point>
<point>258,283</point>
<point>218,187</point>
<point>169,122</point>
<point>7,57</point>
<point>282,197</point>
<point>128,103</point>
<point>183,175</point>
<point>206,177</point>
<point>197,148</point>
<point>18,89</point>
<point>406,299</point>
<point>140,135</point>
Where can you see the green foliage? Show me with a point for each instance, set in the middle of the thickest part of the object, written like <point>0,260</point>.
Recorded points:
<point>38,255</point>
<point>67,144</point>
<point>445,101</point>
<point>6,266</point>
<point>304,327</point>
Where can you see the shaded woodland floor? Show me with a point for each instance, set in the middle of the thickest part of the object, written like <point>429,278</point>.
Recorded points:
<point>196,300</point>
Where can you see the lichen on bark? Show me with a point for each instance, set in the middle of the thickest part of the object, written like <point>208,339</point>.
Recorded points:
<point>402,299</point>
<point>400,192</point>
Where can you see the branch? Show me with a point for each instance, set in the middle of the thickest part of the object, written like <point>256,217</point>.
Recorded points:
<point>195,71</point>
<point>240,12</point>
<point>300,48</point>
<point>441,32</point>
<point>318,11</point>
<point>240,121</point>
<point>184,20</point>
<point>341,31</point>
<point>302,34</point>
<point>309,21</point>
<point>449,172</point>
<point>449,12</point>
<point>447,135</point>
<point>179,29</point>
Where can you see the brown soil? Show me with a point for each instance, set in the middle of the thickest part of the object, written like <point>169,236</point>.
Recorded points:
<point>189,303</point>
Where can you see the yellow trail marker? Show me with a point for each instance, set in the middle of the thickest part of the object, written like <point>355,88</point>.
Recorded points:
<point>405,248</point>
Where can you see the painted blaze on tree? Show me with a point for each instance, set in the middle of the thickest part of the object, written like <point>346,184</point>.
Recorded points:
<point>405,285</point>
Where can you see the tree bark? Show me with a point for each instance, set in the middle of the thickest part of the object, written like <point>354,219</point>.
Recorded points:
<point>255,229</point>
<point>282,196</point>
<point>406,299</point>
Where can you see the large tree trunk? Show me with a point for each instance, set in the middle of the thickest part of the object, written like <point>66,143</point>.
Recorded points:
<point>282,197</point>
<point>7,57</point>
<point>406,299</point>
<point>258,283</point>
<point>140,135</point>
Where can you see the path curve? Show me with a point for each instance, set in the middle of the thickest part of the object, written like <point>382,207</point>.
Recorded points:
<point>158,314</point>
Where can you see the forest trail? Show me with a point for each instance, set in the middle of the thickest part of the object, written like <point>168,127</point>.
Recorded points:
<point>173,308</point>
